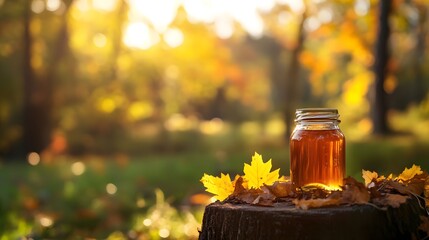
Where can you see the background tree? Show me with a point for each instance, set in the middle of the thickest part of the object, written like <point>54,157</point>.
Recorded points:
<point>379,106</point>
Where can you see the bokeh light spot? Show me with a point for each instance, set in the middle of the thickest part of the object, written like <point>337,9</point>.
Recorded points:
<point>33,158</point>
<point>139,35</point>
<point>141,203</point>
<point>37,6</point>
<point>53,5</point>
<point>111,188</point>
<point>173,37</point>
<point>164,233</point>
<point>46,221</point>
<point>147,222</point>
<point>99,40</point>
<point>78,168</point>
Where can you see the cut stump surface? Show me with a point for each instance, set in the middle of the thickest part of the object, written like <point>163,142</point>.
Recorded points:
<point>285,221</point>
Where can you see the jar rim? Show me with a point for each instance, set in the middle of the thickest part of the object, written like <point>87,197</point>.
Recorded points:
<point>317,114</point>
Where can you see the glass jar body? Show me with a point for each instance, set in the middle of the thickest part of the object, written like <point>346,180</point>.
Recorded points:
<point>317,153</point>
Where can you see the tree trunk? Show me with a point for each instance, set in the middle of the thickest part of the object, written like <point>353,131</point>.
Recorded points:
<point>419,92</point>
<point>36,96</point>
<point>292,79</point>
<point>39,90</point>
<point>284,221</point>
<point>379,98</point>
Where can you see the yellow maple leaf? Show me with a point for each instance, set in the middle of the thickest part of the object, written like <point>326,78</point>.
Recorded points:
<point>221,186</point>
<point>258,173</point>
<point>368,176</point>
<point>409,173</point>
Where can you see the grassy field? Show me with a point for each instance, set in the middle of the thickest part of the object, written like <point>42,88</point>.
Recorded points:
<point>122,197</point>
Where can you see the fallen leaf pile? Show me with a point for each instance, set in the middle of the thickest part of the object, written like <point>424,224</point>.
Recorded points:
<point>260,186</point>
<point>263,187</point>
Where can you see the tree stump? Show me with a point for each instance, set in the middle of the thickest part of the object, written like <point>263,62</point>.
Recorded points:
<point>285,221</point>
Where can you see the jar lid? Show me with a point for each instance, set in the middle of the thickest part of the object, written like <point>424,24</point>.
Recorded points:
<point>317,114</point>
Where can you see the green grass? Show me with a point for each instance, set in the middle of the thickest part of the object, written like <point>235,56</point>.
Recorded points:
<point>79,205</point>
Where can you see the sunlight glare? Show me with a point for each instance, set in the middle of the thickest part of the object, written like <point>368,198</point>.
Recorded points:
<point>33,158</point>
<point>199,10</point>
<point>104,5</point>
<point>37,6</point>
<point>173,37</point>
<point>159,13</point>
<point>53,5</point>
<point>265,6</point>
<point>296,6</point>
<point>224,27</point>
<point>1,2</point>
<point>252,22</point>
<point>78,168</point>
<point>139,35</point>
<point>82,5</point>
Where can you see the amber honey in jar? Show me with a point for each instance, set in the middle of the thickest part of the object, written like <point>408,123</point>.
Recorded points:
<point>317,148</point>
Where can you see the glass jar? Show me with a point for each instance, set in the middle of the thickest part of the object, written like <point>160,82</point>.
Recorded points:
<point>317,148</point>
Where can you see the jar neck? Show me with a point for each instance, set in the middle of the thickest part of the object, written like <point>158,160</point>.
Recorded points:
<point>317,125</point>
<point>317,119</point>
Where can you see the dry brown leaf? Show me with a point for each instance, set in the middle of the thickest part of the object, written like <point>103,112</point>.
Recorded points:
<point>401,188</point>
<point>281,189</point>
<point>316,203</point>
<point>265,199</point>
<point>238,186</point>
<point>393,200</point>
<point>354,192</point>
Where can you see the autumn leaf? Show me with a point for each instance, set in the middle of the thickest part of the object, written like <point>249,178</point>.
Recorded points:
<point>393,200</point>
<point>221,186</point>
<point>354,192</point>
<point>281,189</point>
<point>368,176</point>
<point>409,173</point>
<point>317,203</point>
<point>258,173</point>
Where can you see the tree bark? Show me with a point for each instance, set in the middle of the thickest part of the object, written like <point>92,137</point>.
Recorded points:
<point>283,221</point>
<point>379,104</point>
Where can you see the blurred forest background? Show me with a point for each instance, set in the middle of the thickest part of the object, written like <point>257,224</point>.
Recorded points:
<point>108,105</point>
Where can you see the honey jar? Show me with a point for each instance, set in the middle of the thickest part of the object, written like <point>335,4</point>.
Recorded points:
<point>317,148</point>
